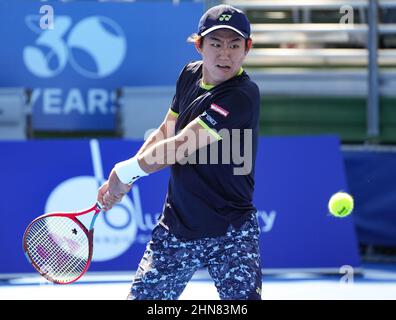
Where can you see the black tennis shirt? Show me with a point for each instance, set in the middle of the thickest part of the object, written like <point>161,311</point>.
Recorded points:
<point>203,199</point>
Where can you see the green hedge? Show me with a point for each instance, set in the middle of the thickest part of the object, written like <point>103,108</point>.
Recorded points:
<point>345,117</point>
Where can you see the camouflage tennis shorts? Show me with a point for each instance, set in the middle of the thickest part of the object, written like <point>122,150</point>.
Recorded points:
<point>169,262</point>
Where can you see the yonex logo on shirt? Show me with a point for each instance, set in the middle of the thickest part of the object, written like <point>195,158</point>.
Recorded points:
<point>219,109</point>
<point>209,118</point>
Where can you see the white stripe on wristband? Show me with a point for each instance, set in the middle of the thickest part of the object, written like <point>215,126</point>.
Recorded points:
<point>129,171</point>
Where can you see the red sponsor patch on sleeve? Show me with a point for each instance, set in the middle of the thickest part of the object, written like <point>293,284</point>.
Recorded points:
<point>219,109</point>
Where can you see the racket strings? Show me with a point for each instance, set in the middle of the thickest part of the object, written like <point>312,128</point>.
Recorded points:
<point>49,255</point>
<point>58,247</point>
<point>52,254</point>
<point>44,247</point>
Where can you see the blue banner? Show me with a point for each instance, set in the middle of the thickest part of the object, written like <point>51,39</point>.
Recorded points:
<point>294,179</point>
<point>372,176</point>
<point>75,61</point>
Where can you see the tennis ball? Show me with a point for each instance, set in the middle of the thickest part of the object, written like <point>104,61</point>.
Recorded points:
<point>341,204</point>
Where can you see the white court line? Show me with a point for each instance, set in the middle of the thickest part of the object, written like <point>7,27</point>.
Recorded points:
<point>205,290</point>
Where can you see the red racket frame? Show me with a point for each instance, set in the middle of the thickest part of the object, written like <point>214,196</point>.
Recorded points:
<point>96,209</point>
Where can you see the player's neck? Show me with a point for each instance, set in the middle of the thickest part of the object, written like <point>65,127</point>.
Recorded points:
<point>207,84</point>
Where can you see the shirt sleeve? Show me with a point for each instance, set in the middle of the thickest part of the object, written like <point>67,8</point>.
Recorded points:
<point>174,107</point>
<point>232,111</point>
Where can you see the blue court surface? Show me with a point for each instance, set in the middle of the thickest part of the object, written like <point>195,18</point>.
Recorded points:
<point>373,282</point>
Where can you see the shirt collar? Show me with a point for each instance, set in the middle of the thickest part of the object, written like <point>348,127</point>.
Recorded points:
<point>207,86</point>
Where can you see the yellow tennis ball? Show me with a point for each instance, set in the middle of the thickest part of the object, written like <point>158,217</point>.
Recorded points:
<point>341,204</point>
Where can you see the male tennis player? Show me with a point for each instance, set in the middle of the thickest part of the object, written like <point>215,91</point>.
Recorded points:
<point>208,218</point>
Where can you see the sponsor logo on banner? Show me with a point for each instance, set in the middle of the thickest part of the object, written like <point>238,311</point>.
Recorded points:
<point>84,53</point>
<point>85,46</point>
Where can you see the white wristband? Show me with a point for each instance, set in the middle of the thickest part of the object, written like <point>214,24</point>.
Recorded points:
<point>129,171</point>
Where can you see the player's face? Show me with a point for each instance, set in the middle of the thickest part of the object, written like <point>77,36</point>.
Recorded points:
<point>223,52</point>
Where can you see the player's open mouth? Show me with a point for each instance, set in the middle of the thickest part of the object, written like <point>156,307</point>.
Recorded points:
<point>224,67</point>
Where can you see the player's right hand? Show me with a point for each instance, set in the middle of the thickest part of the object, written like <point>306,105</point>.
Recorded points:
<point>112,191</point>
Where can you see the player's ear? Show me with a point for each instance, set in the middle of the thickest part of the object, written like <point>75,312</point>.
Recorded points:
<point>198,44</point>
<point>249,43</point>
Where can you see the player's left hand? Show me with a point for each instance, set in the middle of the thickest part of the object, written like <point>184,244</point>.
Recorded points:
<point>112,191</point>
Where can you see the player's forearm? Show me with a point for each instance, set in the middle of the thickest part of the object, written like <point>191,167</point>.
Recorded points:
<point>130,170</point>
<point>158,156</point>
<point>163,153</point>
<point>164,131</point>
<point>155,136</point>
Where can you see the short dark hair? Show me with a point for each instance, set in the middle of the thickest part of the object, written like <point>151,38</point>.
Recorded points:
<point>195,37</point>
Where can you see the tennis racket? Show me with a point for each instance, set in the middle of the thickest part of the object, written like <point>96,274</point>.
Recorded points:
<point>59,246</point>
